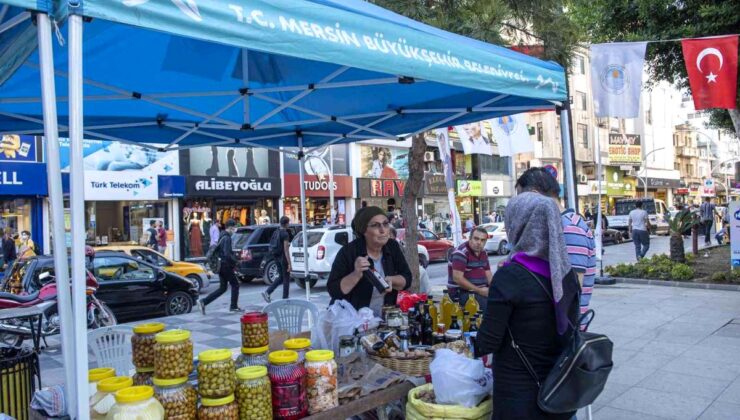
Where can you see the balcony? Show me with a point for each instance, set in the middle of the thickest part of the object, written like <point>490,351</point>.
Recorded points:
<point>687,151</point>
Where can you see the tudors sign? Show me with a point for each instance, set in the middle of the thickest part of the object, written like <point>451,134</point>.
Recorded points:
<point>318,187</point>
<point>209,186</point>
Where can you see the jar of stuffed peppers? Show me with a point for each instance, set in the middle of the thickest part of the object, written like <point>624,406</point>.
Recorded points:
<point>144,376</point>
<point>321,381</point>
<point>254,330</point>
<point>216,373</point>
<point>173,354</point>
<point>252,357</point>
<point>177,396</point>
<point>298,345</point>
<point>288,381</point>
<point>218,408</point>
<point>142,343</point>
<point>253,393</point>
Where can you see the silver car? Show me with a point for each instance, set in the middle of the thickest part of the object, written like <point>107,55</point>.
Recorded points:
<point>497,241</point>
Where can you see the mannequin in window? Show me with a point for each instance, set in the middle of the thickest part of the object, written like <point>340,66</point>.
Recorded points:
<point>214,169</point>
<point>251,171</point>
<point>196,236</point>
<point>231,162</point>
<point>256,218</point>
<point>264,218</point>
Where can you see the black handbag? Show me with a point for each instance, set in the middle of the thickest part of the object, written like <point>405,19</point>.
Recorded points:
<point>579,374</point>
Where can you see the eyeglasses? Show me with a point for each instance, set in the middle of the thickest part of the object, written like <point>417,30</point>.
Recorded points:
<point>377,225</point>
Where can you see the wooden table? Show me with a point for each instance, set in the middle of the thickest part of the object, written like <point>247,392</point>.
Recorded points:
<point>376,400</point>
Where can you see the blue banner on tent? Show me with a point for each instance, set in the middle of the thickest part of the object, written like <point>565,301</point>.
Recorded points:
<point>23,179</point>
<point>171,186</point>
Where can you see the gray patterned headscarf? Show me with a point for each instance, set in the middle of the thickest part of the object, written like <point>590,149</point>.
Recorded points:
<point>534,227</point>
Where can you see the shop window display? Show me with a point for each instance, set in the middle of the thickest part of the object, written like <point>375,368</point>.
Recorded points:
<point>15,215</point>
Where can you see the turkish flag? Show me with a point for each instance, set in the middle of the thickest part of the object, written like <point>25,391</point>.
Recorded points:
<point>712,67</point>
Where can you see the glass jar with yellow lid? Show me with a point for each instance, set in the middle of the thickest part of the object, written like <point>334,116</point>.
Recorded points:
<point>298,345</point>
<point>173,354</point>
<point>253,393</point>
<point>216,376</point>
<point>321,381</point>
<point>288,383</point>
<point>104,399</point>
<point>218,408</point>
<point>96,375</point>
<point>136,402</point>
<point>142,343</point>
<point>252,357</point>
<point>144,376</point>
<point>177,396</point>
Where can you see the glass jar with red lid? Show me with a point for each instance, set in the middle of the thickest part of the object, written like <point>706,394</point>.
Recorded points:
<point>254,330</point>
<point>288,379</point>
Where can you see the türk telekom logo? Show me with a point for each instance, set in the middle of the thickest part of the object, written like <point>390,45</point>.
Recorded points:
<point>189,7</point>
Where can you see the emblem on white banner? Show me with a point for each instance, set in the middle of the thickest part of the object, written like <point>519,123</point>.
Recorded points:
<point>614,79</point>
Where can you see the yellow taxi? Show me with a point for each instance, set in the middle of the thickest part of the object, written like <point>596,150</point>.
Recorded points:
<point>192,271</point>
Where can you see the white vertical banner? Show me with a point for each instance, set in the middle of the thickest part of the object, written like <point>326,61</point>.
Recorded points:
<point>443,142</point>
<point>734,219</point>
<point>616,78</point>
<point>512,135</point>
<point>598,237</point>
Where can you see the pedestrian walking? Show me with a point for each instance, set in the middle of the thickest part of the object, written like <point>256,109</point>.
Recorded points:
<point>279,245</point>
<point>161,238</point>
<point>533,298</point>
<point>469,271</point>
<point>214,232</point>
<point>469,224</point>
<point>639,230</point>
<point>26,248</point>
<point>707,211</point>
<point>225,253</point>
<point>151,241</point>
<point>8,249</point>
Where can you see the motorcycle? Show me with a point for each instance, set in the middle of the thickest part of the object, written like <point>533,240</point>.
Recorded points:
<point>14,332</point>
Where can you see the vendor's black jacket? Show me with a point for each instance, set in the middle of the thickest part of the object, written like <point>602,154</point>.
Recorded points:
<point>394,264</point>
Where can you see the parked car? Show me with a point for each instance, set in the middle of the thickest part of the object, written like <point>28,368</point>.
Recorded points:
<point>251,245</point>
<point>323,245</point>
<point>131,288</point>
<point>497,240</point>
<point>438,248</point>
<point>656,210</point>
<point>190,270</point>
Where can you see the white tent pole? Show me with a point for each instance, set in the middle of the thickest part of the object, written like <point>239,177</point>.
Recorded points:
<point>569,167</point>
<point>56,206</point>
<point>301,179</point>
<point>331,184</point>
<point>77,208</point>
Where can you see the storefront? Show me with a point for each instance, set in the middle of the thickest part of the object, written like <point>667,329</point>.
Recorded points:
<point>384,193</point>
<point>317,198</point>
<point>618,186</point>
<point>23,186</point>
<point>468,200</point>
<point>496,194</point>
<point>435,203</point>
<point>659,188</point>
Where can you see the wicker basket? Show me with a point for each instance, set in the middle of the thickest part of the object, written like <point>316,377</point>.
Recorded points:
<point>410,367</point>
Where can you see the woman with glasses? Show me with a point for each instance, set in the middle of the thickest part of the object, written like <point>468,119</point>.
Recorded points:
<point>370,260</point>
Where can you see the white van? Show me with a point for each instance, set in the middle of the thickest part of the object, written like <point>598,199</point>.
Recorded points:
<point>655,208</point>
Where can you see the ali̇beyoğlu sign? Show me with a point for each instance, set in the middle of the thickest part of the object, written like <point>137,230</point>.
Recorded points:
<point>208,186</point>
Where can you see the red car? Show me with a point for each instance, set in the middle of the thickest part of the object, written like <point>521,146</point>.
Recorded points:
<point>438,248</point>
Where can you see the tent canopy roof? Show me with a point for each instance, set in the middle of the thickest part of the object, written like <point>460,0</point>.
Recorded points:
<point>185,73</point>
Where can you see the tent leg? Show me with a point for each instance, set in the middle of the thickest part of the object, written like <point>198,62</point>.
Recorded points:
<point>569,166</point>
<point>301,176</point>
<point>56,206</point>
<point>77,208</point>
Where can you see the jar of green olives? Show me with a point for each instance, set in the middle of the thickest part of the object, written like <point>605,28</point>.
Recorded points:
<point>253,393</point>
<point>142,343</point>
<point>173,354</point>
<point>216,378</point>
<point>252,357</point>
<point>218,408</point>
<point>144,376</point>
<point>179,399</point>
<point>254,330</point>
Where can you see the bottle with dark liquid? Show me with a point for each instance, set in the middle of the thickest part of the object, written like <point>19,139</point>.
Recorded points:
<point>454,325</point>
<point>414,336</point>
<point>427,327</point>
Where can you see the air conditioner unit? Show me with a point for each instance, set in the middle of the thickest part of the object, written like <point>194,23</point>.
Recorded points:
<point>428,156</point>
<point>582,179</point>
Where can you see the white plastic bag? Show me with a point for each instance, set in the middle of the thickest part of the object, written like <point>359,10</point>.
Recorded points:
<point>459,380</point>
<point>340,319</point>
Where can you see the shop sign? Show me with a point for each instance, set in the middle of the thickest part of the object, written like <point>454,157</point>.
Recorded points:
<point>625,149</point>
<point>381,162</point>
<point>694,191</point>
<point>381,187</point>
<point>734,213</point>
<point>15,148</point>
<point>318,186</point>
<point>435,185</point>
<point>494,188</point>
<point>125,185</point>
<point>593,188</point>
<point>707,189</point>
<point>171,186</point>
<point>582,190</point>
<point>208,186</point>
<point>617,185</point>
<point>467,188</point>
<point>659,183</point>
<point>682,191</point>
<point>112,156</point>
<point>23,179</point>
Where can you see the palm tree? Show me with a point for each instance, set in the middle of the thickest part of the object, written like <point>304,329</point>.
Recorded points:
<point>683,220</point>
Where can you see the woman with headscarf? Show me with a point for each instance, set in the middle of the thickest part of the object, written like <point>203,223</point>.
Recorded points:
<point>534,299</point>
<point>352,276</point>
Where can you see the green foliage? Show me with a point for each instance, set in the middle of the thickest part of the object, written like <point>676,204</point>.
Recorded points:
<point>657,267</point>
<point>682,221</point>
<point>682,272</point>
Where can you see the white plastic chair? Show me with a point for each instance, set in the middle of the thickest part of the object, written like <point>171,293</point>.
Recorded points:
<point>111,347</point>
<point>289,314</point>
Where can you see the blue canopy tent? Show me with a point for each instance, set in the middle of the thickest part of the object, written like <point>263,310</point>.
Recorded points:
<point>275,74</point>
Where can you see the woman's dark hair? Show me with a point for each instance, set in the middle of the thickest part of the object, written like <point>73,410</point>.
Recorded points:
<point>538,180</point>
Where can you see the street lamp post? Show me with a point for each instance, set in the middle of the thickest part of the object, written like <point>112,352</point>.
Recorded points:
<point>645,179</point>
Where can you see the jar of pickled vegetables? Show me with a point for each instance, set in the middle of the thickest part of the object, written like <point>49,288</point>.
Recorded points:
<point>288,382</point>
<point>298,345</point>
<point>321,381</point>
<point>252,357</point>
<point>216,377</point>
<point>253,393</point>
<point>254,330</point>
<point>173,354</point>
<point>218,408</point>
<point>179,399</point>
<point>104,399</point>
<point>96,375</point>
<point>142,343</point>
<point>136,402</point>
<point>144,376</point>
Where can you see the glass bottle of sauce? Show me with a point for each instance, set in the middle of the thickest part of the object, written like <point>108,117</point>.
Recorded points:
<point>446,306</point>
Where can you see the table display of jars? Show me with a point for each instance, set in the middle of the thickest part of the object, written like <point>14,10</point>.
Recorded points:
<point>252,357</point>
<point>104,398</point>
<point>142,344</point>
<point>173,354</point>
<point>218,408</point>
<point>96,375</point>
<point>298,345</point>
<point>321,381</point>
<point>136,402</point>
<point>216,378</point>
<point>288,382</point>
<point>177,396</point>
<point>144,376</point>
<point>253,393</point>
<point>254,330</point>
